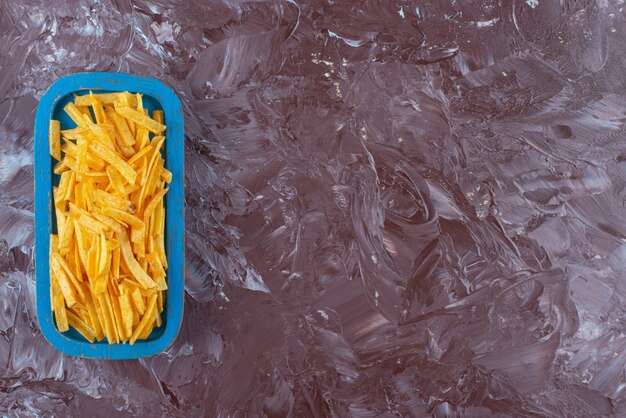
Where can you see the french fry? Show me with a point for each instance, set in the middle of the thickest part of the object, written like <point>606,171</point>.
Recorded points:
<point>124,217</point>
<point>60,314</point>
<point>166,175</point>
<point>61,166</point>
<point>93,314</point>
<point>54,138</point>
<point>133,266</point>
<point>108,306</point>
<point>103,315</point>
<point>127,312</point>
<point>141,154</point>
<point>141,119</point>
<point>115,160</point>
<point>117,313</point>
<point>159,246</point>
<point>104,98</point>
<point>121,126</point>
<point>107,200</point>
<point>146,319</point>
<point>160,299</point>
<point>75,114</point>
<point>80,326</point>
<point>98,110</point>
<point>154,202</point>
<point>64,283</point>
<point>158,116</point>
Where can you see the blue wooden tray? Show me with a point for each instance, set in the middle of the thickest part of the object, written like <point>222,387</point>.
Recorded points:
<point>156,96</point>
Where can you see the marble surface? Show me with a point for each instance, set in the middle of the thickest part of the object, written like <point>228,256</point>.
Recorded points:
<point>394,208</point>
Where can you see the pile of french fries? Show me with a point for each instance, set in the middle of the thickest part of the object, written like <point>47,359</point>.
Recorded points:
<point>107,261</point>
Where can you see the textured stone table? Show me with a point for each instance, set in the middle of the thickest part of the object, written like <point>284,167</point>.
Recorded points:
<point>394,208</point>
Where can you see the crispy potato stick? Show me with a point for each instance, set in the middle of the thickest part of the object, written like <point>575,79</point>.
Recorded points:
<point>127,312</point>
<point>105,319</point>
<point>158,116</point>
<point>138,301</point>
<point>80,326</point>
<point>154,202</point>
<point>61,166</point>
<point>75,113</point>
<point>60,314</point>
<point>121,126</point>
<point>143,138</point>
<point>71,149</point>
<point>117,314</point>
<point>104,98</point>
<point>160,301</point>
<point>93,314</point>
<point>139,98</point>
<point>124,217</point>
<point>76,134</point>
<point>108,306</point>
<point>146,319</point>
<point>159,245</point>
<point>107,200</point>
<point>98,111</point>
<point>64,283</point>
<point>133,266</point>
<point>141,119</point>
<point>133,161</point>
<point>166,175</point>
<point>54,136</point>
<point>115,160</point>
<point>68,271</point>
<point>113,224</point>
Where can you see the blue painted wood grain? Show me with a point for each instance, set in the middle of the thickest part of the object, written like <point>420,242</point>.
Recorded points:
<point>156,96</point>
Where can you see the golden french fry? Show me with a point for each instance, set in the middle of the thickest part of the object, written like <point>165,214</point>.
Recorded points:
<point>117,313</point>
<point>60,314</point>
<point>108,306</point>
<point>139,99</point>
<point>64,283</point>
<point>166,175</point>
<point>54,137</point>
<point>124,217</point>
<point>159,246</point>
<point>80,326</point>
<point>121,126</point>
<point>146,319</point>
<point>127,313</point>
<point>154,202</point>
<point>158,116</point>
<point>61,166</point>
<point>93,314</point>
<point>141,119</point>
<point>133,161</point>
<point>111,223</point>
<point>160,300</point>
<point>138,301</point>
<point>75,134</point>
<point>107,200</point>
<point>133,266</point>
<point>98,111</point>
<point>103,315</point>
<point>93,162</point>
<point>75,114</point>
<point>115,160</point>
<point>104,98</point>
